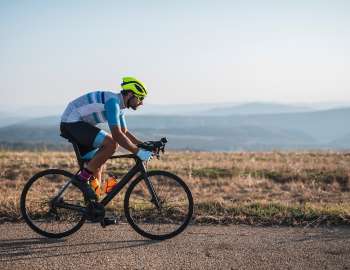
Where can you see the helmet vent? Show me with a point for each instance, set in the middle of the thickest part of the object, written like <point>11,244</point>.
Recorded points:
<point>139,88</point>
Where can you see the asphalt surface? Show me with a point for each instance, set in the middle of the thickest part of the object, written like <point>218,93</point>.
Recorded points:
<point>199,247</point>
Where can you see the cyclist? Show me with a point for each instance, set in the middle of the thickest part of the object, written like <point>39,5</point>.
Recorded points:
<point>81,116</point>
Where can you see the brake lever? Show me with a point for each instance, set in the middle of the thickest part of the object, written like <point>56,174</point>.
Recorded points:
<point>155,146</point>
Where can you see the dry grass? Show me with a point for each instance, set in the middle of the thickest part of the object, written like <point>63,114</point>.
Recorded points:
<point>255,188</point>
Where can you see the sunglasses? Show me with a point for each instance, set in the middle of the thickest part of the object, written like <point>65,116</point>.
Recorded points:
<point>139,98</point>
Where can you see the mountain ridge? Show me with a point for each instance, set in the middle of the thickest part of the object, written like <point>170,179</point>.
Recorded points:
<point>316,129</point>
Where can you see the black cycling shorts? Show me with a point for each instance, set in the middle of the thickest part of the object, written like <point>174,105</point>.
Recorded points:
<point>86,136</point>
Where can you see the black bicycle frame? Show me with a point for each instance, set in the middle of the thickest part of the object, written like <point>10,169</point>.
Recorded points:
<point>138,167</point>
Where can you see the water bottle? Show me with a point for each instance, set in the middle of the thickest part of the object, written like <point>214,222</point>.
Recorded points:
<point>96,186</point>
<point>110,184</point>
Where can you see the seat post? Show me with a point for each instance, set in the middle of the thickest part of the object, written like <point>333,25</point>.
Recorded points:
<point>78,155</point>
<point>76,150</point>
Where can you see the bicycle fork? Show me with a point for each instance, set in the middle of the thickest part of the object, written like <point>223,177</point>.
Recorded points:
<point>155,199</point>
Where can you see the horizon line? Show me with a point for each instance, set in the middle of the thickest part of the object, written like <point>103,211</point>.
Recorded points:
<point>294,103</point>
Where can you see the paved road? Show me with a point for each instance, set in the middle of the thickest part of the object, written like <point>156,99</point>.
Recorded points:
<point>199,247</point>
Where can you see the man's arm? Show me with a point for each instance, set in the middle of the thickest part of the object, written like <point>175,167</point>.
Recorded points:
<point>121,138</point>
<point>131,136</point>
<point>124,128</point>
<point>116,122</point>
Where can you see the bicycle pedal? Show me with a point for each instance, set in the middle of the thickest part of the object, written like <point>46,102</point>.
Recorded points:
<point>108,221</point>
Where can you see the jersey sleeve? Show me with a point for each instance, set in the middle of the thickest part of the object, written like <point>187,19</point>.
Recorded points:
<point>115,116</point>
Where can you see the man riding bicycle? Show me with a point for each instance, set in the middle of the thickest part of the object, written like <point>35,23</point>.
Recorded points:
<point>81,116</point>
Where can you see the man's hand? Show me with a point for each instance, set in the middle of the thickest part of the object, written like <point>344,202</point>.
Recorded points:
<point>144,155</point>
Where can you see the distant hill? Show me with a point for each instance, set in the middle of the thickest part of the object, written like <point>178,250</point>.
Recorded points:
<point>184,109</point>
<point>30,134</point>
<point>324,126</point>
<point>307,130</point>
<point>196,138</point>
<point>39,122</point>
<point>10,118</point>
<point>257,108</point>
<point>229,139</point>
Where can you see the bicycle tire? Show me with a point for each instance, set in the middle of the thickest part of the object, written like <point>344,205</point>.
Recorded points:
<point>175,181</point>
<point>26,203</point>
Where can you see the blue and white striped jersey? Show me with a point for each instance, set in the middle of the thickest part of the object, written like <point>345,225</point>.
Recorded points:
<point>96,107</point>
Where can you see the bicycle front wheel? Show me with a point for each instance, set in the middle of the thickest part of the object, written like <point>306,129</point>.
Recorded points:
<point>47,213</point>
<point>175,206</point>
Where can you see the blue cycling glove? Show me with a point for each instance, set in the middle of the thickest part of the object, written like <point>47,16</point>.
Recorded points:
<point>144,155</point>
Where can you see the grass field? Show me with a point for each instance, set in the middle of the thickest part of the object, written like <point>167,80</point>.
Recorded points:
<point>289,188</point>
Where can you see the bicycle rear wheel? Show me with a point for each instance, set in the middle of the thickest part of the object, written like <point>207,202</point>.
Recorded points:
<point>45,215</point>
<point>176,206</point>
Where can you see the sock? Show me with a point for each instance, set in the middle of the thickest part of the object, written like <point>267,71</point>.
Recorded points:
<point>86,169</point>
<point>85,175</point>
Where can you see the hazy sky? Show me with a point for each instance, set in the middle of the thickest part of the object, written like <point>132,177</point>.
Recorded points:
<point>184,51</point>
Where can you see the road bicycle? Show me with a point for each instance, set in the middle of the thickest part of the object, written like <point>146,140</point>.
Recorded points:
<point>157,204</point>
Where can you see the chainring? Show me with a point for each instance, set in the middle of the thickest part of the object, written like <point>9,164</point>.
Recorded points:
<point>95,212</point>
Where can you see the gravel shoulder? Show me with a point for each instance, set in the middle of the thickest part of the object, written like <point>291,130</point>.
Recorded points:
<point>199,247</point>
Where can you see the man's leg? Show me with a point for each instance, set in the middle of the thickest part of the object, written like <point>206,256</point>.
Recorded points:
<point>106,150</point>
<point>91,138</point>
<point>98,173</point>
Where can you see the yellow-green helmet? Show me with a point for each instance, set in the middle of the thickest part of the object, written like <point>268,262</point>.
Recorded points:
<point>134,85</point>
